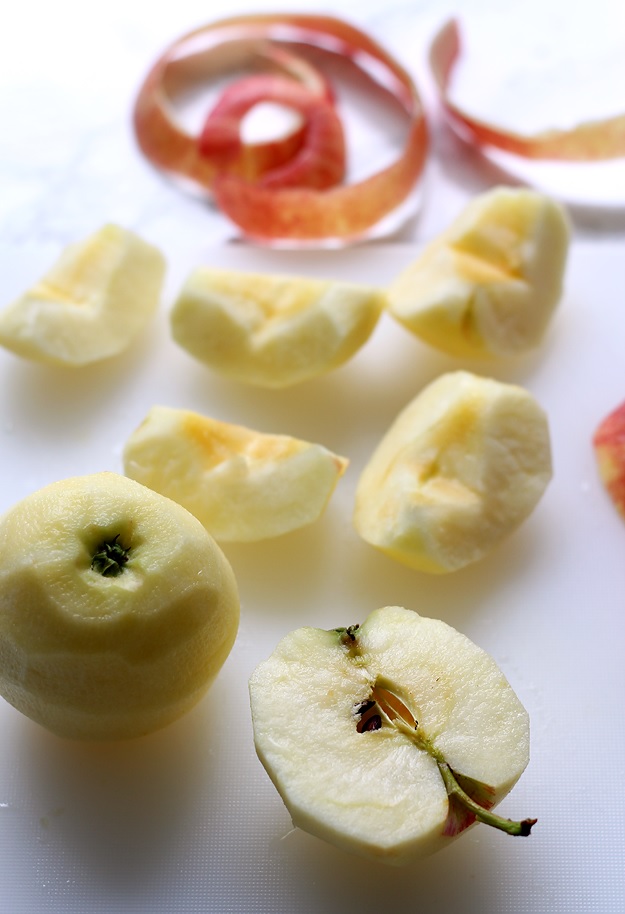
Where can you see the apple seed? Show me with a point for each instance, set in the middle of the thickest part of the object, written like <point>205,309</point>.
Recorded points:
<point>468,799</point>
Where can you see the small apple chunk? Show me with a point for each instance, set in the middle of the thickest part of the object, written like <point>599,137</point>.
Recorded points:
<point>91,304</point>
<point>117,609</point>
<point>389,738</point>
<point>272,331</point>
<point>243,485</point>
<point>460,468</point>
<point>488,286</point>
<point>609,447</point>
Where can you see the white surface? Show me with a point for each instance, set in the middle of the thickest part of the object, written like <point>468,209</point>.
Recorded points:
<point>186,820</point>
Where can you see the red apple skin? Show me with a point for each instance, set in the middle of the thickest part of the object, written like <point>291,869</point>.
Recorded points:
<point>320,160</point>
<point>609,445</point>
<point>586,142</point>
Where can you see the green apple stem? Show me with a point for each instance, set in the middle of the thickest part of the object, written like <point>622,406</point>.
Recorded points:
<point>509,826</point>
<point>110,558</point>
<point>388,700</point>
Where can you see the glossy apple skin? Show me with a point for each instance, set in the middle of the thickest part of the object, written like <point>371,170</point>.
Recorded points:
<point>609,447</point>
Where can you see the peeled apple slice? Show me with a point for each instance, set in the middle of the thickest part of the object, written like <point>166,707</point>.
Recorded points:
<point>91,305</point>
<point>272,331</point>
<point>243,485</point>
<point>117,609</point>
<point>488,286</point>
<point>462,466</point>
<point>390,738</point>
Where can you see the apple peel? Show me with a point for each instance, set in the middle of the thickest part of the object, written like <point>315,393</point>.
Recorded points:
<point>193,59</point>
<point>320,161</point>
<point>588,141</point>
<point>239,175</point>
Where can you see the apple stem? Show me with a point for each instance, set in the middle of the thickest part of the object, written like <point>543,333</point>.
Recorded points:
<point>110,558</point>
<point>509,826</point>
<point>395,711</point>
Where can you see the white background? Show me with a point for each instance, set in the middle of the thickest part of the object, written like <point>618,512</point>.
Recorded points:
<point>187,820</point>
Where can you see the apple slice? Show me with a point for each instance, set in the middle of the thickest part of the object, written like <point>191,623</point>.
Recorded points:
<point>488,286</point>
<point>388,739</point>
<point>460,468</point>
<point>272,331</point>
<point>92,303</point>
<point>241,484</point>
<point>586,142</point>
<point>609,447</point>
<point>117,609</point>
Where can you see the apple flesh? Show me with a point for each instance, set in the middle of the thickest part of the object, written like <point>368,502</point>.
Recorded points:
<point>390,738</point>
<point>117,609</point>
<point>91,304</point>
<point>460,468</point>
<point>609,447</point>
<point>489,285</point>
<point>243,485</point>
<point>269,330</point>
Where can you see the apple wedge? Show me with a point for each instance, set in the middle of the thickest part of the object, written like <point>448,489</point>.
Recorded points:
<point>272,331</point>
<point>460,468</point>
<point>389,738</point>
<point>92,303</point>
<point>609,446</point>
<point>243,485</point>
<point>489,285</point>
<point>117,609</point>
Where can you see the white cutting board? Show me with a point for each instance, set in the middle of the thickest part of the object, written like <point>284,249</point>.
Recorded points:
<point>187,820</point>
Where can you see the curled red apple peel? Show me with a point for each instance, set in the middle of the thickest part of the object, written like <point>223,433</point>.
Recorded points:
<point>320,160</point>
<point>588,141</point>
<point>301,200</point>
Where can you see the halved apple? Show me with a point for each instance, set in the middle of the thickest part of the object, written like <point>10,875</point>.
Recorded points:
<point>389,738</point>
<point>92,303</point>
<point>488,286</point>
<point>272,331</point>
<point>460,468</point>
<point>243,485</point>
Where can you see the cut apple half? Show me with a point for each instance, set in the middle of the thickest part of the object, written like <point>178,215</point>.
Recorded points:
<point>270,330</point>
<point>462,466</point>
<point>488,285</point>
<point>243,485</point>
<point>389,738</point>
<point>91,304</point>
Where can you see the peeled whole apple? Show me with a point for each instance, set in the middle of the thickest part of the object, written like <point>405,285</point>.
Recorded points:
<point>388,738</point>
<point>459,469</point>
<point>117,609</point>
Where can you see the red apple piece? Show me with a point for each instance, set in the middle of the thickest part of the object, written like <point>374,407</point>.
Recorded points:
<point>609,446</point>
